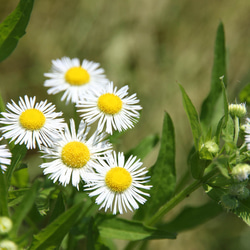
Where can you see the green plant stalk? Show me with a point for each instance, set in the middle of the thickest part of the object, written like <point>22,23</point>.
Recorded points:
<point>236,129</point>
<point>179,197</point>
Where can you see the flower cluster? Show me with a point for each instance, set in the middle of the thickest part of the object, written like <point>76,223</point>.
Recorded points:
<point>70,154</point>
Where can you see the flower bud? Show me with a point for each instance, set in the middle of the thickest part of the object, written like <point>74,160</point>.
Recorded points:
<point>5,225</point>
<point>238,110</point>
<point>239,190</point>
<point>209,149</point>
<point>229,202</point>
<point>241,171</point>
<point>8,245</point>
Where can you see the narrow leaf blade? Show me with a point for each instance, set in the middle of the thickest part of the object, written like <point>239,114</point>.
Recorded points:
<point>193,118</point>
<point>13,27</point>
<point>52,235</point>
<point>117,228</point>
<point>163,176</point>
<point>219,70</point>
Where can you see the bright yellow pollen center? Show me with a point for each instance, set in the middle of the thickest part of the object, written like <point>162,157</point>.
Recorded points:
<point>75,154</point>
<point>32,119</point>
<point>118,179</point>
<point>109,103</point>
<point>77,76</point>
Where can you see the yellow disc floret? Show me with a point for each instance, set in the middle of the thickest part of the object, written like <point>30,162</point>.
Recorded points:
<point>75,154</point>
<point>77,76</point>
<point>118,179</point>
<point>109,103</point>
<point>32,119</point>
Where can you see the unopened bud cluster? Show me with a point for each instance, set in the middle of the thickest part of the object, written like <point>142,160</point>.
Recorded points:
<point>241,171</point>
<point>238,110</point>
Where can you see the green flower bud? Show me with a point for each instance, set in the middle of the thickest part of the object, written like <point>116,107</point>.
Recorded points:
<point>229,202</point>
<point>239,190</point>
<point>241,171</point>
<point>238,110</point>
<point>208,150</point>
<point>8,245</point>
<point>5,225</point>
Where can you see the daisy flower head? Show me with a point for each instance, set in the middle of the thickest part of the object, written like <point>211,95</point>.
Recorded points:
<point>31,123</point>
<point>74,78</point>
<point>73,155</point>
<point>5,156</point>
<point>114,108</point>
<point>117,184</point>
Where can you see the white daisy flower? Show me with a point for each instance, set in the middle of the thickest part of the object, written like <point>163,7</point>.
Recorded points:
<point>117,183</point>
<point>74,155</point>
<point>5,156</point>
<point>112,107</point>
<point>74,78</point>
<point>31,123</point>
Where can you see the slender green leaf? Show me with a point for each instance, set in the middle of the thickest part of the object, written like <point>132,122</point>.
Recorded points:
<point>193,118</point>
<point>209,105</point>
<point>13,27</point>
<point>4,194</point>
<point>59,207</point>
<point>24,207</point>
<point>144,147</point>
<point>117,228</point>
<point>163,177</point>
<point>18,153</point>
<point>191,217</point>
<point>53,234</point>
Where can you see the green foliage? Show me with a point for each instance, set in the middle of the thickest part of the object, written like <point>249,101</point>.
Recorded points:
<point>4,195</point>
<point>163,177</point>
<point>209,112</point>
<point>52,235</point>
<point>24,207</point>
<point>13,27</point>
<point>193,118</point>
<point>117,228</point>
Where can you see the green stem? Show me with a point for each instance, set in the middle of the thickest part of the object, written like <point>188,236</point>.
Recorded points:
<point>236,129</point>
<point>179,197</point>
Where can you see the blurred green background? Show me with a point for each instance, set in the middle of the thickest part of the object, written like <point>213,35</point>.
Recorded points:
<point>151,46</point>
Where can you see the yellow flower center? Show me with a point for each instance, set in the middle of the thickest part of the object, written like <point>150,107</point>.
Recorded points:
<point>75,154</point>
<point>109,103</point>
<point>77,76</point>
<point>32,119</point>
<point>118,179</point>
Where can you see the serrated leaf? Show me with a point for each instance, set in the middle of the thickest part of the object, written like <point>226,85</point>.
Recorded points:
<point>163,177</point>
<point>193,118</point>
<point>52,235</point>
<point>243,211</point>
<point>191,217</point>
<point>13,27</point>
<point>208,110</point>
<point>144,147</point>
<point>24,207</point>
<point>117,228</point>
